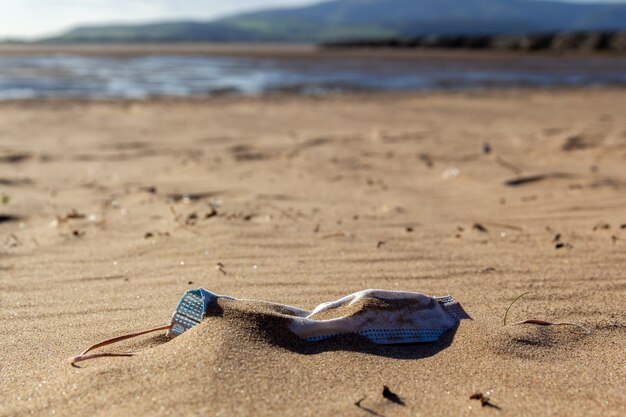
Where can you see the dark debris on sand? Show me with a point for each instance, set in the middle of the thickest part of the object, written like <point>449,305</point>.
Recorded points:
<point>392,396</point>
<point>484,400</point>
<point>519,181</point>
<point>14,158</point>
<point>479,227</point>
<point>5,218</point>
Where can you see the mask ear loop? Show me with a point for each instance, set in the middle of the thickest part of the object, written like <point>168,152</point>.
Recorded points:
<point>86,355</point>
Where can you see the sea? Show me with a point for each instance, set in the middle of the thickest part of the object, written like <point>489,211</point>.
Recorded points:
<point>62,75</point>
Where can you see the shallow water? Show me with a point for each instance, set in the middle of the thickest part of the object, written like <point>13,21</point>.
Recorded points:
<point>61,75</point>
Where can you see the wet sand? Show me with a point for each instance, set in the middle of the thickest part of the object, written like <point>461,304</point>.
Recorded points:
<point>111,210</point>
<point>281,50</point>
<point>142,49</point>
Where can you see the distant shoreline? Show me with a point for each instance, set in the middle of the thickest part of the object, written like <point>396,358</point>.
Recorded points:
<point>275,50</point>
<point>138,49</point>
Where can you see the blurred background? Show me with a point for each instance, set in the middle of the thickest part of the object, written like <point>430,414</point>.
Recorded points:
<point>140,48</point>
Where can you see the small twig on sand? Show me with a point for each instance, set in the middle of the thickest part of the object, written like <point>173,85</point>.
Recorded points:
<point>333,235</point>
<point>173,211</point>
<point>220,267</point>
<point>507,226</point>
<point>480,228</point>
<point>506,313</point>
<point>506,164</point>
<point>547,323</point>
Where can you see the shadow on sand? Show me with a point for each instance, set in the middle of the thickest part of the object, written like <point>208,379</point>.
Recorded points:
<point>360,344</point>
<point>272,327</point>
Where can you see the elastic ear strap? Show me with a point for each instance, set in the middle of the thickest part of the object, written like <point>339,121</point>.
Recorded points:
<point>84,356</point>
<point>81,358</point>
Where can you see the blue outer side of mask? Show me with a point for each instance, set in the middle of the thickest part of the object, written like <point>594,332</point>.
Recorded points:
<point>191,309</point>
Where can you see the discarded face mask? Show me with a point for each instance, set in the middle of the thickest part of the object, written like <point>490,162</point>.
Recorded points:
<point>383,317</point>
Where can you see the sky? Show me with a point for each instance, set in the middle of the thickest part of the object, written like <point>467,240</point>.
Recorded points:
<point>34,18</point>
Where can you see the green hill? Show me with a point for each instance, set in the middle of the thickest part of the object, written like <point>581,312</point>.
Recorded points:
<point>341,19</point>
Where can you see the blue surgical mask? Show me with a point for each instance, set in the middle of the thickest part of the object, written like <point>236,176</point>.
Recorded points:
<point>383,317</point>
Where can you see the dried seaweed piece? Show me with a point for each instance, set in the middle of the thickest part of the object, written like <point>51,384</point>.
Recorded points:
<point>576,143</point>
<point>149,189</point>
<point>525,180</point>
<point>484,400</point>
<point>601,226</point>
<point>14,158</point>
<point>72,215</point>
<point>210,214</point>
<point>8,218</point>
<point>507,226</point>
<point>11,182</point>
<point>516,182</point>
<point>334,235</point>
<point>548,323</point>
<point>426,159</point>
<point>480,228</point>
<point>191,219</point>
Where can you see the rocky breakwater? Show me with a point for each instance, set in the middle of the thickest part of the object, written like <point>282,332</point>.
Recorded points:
<point>611,42</point>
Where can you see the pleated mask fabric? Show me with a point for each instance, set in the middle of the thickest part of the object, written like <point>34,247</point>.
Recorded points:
<point>383,317</point>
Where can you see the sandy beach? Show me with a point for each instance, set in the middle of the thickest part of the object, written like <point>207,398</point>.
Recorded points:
<point>112,210</point>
